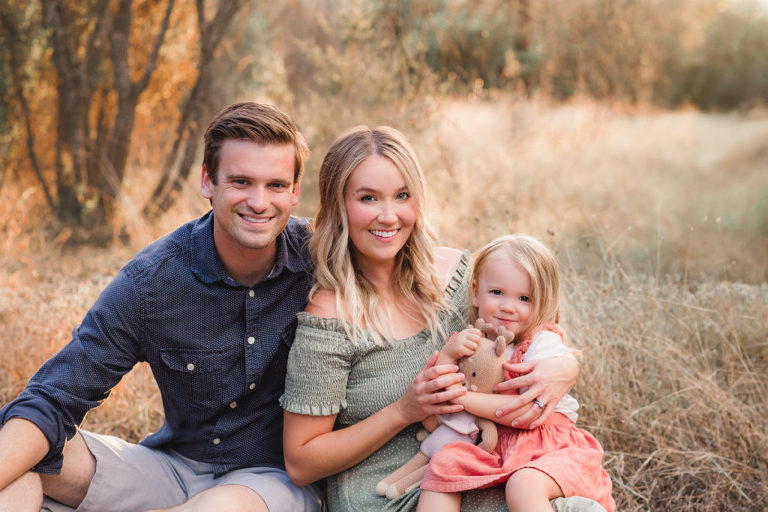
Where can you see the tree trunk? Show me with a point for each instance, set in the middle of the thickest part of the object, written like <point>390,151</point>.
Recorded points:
<point>523,43</point>
<point>98,88</point>
<point>12,36</point>
<point>128,92</point>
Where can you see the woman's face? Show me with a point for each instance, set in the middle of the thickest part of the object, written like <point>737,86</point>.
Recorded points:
<point>380,211</point>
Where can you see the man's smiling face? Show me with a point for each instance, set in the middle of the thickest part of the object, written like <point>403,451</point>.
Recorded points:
<point>253,194</point>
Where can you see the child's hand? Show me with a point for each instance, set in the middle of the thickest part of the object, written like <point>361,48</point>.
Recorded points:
<point>462,343</point>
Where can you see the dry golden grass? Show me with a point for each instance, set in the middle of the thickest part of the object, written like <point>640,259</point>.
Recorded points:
<point>658,192</point>
<point>660,221</point>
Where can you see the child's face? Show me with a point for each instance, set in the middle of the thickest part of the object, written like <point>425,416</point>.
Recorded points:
<point>502,293</point>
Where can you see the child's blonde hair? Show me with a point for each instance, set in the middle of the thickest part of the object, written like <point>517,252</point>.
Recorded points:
<point>540,265</point>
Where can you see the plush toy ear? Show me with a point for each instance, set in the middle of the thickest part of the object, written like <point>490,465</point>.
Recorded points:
<point>501,344</point>
<point>487,328</point>
<point>507,335</point>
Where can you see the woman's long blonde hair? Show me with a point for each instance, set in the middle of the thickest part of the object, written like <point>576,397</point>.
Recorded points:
<point>540,265</point>
<point>358,303</point>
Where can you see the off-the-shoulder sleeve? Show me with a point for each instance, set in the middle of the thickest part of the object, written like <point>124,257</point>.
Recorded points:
<point>457,295</point>
<point>318,367</point>
<point>458,284</point>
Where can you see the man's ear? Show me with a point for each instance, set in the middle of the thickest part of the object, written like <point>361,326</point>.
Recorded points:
<point>295,198</point>
<point>206,185</point>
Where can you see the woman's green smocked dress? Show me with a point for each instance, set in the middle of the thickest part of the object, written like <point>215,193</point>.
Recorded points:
<point>328,374</point>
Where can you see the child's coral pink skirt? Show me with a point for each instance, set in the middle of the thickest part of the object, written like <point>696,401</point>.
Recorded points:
<point>569,455</point>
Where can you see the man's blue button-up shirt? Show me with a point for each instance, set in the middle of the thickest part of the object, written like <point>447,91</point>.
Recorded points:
<point>217,349</point>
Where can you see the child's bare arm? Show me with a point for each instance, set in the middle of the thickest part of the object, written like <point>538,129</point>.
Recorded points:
<point>486,405</point>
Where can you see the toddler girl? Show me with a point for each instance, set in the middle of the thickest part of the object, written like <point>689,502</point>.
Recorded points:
<point>515,284</point>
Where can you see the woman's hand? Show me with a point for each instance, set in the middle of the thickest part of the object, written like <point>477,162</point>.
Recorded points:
<point>547,380</point>
<point>428,394</point>
<point>314,449</point>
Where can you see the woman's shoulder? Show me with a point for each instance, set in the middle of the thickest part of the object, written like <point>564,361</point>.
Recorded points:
<point>322,304</point>
<point>447,260</point>
<point>319,328</point>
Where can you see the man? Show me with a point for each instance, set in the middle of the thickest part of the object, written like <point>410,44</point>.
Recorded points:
<point>211,307</point>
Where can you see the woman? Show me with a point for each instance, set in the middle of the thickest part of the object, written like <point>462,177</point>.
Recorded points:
<point>384,300</point>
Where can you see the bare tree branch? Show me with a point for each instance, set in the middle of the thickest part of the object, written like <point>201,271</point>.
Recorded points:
<point>119,50</point>
<point>128,92</point>
<point>179,163</point>
<point>97,42</point>
<point>152,62</point>
<point>218,26</point>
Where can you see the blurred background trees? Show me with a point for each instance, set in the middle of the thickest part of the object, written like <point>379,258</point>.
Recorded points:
<point>77,72</point>
<point>81,80</point>
<point>630,135</point>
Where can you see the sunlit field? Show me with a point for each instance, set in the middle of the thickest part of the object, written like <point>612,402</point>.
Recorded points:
<point>660,223</point>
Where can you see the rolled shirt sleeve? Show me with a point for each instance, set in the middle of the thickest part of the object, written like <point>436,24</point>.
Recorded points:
<point>80,376</point>
<point>217,349</point>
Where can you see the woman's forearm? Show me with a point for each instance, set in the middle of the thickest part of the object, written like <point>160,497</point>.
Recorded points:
<point>314,451</point>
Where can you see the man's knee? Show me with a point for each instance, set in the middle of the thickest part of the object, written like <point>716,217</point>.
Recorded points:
<point>23,495</point>
<point>70,486</point>
<point>232,498</point>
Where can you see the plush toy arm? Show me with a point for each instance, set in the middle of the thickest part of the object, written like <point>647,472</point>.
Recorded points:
<point>488,433</point>
<point>403,478</point>
<point>430,424</point>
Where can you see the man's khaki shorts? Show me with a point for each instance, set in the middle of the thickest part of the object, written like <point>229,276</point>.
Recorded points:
<point>131,477</point>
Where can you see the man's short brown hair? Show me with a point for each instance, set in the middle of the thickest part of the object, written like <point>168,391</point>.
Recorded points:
<point>257,122</point>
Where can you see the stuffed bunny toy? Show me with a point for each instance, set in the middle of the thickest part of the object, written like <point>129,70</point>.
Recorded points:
<point>482,370</point>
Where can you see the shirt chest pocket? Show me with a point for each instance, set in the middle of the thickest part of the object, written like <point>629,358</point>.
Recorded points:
<point>193,378</point>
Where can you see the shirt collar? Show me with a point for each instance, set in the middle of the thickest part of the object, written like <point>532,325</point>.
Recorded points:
<point>292,251</point>
<point>207,266</point>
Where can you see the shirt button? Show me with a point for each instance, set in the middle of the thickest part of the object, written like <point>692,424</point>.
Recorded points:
<point>216,441</point>
<point>232,405</point>
<point>251,293</point>
<point>252,385</point>
<point>251,340</point>
<point>190,367</point>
